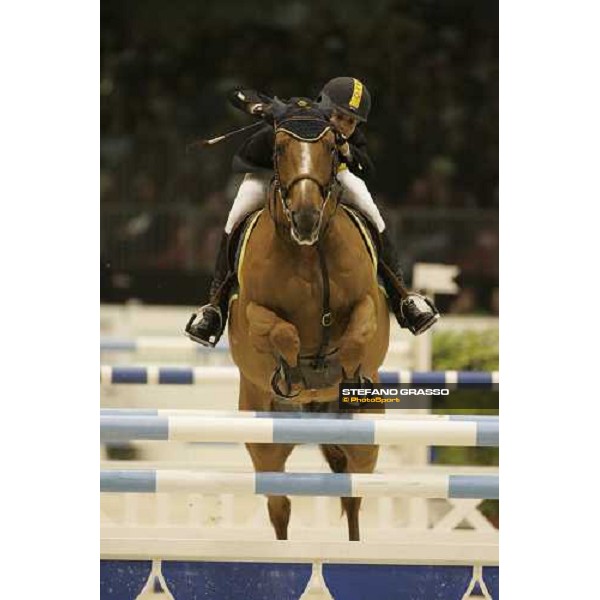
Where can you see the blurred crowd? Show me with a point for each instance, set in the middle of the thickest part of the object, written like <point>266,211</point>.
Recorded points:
<point>432,68</point>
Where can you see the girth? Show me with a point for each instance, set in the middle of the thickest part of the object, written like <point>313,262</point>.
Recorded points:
<point>316,371</point>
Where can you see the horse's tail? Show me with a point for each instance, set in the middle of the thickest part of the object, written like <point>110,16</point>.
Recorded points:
<point>337,461</point>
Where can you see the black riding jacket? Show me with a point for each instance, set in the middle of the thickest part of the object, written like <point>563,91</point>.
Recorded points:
<point>256,153</point>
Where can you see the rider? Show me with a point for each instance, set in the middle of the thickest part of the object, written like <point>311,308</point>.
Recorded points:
<point>346,102</point>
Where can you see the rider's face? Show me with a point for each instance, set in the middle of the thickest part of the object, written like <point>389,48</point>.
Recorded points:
<point>344,123</point>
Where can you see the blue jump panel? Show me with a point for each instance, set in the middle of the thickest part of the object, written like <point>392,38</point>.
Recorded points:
<point>491,576</point>
<point>233,581</point>
<point>394,582</point>
<point>123,579</point>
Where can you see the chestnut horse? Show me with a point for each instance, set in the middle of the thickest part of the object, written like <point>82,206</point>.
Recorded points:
<point>309,311</point>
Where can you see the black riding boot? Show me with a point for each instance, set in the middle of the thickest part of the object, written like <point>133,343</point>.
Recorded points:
<point>206,326</point>
<point>413,311</point>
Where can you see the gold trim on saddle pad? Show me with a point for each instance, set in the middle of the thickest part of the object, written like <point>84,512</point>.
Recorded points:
<point>364,232</point>
<point>244,241</point>
<point>233,298</point>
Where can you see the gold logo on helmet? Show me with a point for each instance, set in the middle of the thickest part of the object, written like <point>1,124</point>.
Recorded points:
<point>356,94</point>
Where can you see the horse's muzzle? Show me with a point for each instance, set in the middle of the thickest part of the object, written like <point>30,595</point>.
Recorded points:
<point>305,226</point>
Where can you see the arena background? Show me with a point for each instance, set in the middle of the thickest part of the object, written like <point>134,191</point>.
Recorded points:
<point>432,68</point>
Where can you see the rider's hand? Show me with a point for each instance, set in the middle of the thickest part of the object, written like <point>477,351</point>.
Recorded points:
<point>344,149</point>
<point>258,109</point>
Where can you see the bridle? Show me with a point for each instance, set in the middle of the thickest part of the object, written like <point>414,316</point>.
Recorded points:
<point>291,126</point>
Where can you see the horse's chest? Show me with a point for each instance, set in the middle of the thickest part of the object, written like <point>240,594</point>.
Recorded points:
<point>299,289</point>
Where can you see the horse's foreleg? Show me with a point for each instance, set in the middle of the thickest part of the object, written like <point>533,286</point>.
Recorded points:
<point>269,333</point>
<point>272,457</point>
<point>267,457</point>
<point>360,331</point>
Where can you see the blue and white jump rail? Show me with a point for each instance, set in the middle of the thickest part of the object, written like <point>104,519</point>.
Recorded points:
<point>457,430</point>
<point>189,375</point>
<point>418,484</point>
<point>177,346</point>
<point>347,416</point>
<point>156,344</point>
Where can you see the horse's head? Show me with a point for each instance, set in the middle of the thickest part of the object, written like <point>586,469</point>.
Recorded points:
<point>305,163</point>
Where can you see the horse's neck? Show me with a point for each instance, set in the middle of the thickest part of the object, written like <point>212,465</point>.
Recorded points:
<point>332,239</point>
<point>277,219</point>
<point>331,234</point>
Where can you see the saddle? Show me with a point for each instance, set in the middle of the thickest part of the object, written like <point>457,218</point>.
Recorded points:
<point>236,249</point>
<point>368,232</point>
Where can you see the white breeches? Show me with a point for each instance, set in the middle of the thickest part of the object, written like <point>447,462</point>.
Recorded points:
<point>253,191</point>
<point>356,194</point>
<point>251,196</point>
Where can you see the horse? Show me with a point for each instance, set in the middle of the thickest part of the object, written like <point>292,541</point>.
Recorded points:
<point>309,311</point>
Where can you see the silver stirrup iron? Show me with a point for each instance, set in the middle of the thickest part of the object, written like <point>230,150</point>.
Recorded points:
<point>429,313</point>
<point>212,341</point>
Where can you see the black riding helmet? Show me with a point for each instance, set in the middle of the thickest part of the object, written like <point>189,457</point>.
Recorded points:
<point>347,94</point>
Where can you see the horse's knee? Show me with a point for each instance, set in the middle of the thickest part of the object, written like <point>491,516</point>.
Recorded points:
<point>351,353</point>
<point>269,457</point>
<point>270,332</point>
<point>260,322</point>
<point>285,339</point>
<point>361,459</point>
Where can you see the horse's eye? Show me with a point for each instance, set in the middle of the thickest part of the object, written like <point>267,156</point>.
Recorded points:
<point>280,150</point>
